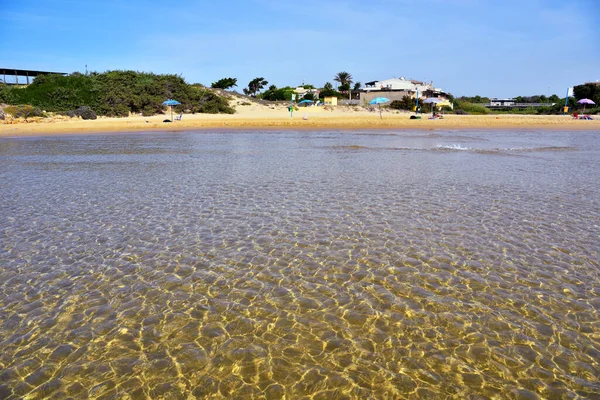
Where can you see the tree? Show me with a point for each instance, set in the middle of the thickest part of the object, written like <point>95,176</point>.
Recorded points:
<point>224,83</point>
<point>256,86</point>
<point>277,94</point>
<point>587,91</point>
<point>357,86</point>
<point>270,93</point>
<point>345,80</point>
<point>328,90</point>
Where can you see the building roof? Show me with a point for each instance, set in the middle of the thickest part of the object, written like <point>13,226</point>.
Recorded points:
<point>26,72</point>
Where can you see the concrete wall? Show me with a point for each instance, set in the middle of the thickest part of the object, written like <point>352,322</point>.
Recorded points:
<point>366,97</point>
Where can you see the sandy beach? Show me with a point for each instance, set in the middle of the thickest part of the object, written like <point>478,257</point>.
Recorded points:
<point>257,116</point>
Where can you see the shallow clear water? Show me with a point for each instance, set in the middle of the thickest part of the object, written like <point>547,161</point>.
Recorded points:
<point>363,264</point>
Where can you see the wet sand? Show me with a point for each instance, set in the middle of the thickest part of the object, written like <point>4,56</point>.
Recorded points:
<point>317,118</point>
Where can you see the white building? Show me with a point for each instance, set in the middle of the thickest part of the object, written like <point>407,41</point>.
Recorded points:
<point>396,88</point>
<point>502,102</point>
<point>301,92</point>
<point>398,84</point>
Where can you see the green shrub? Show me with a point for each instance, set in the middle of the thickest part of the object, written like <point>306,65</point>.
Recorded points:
<point>407,103</point>
<point>85,113</point>
<point>278,94</point>
<point>114,93</point>
<point>6,95</point>
<point>24,111</point>
<point>472,108</point>
<point>54,92</point>
<point>206,101</point>
<point>592,111</point>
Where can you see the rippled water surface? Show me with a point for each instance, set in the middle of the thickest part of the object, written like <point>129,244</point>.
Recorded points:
<point>301,264</point>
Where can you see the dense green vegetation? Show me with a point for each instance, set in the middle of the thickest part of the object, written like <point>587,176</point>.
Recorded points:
<point>277,94</point>
<point>329,91</point>
<point>470,108</point>
<point>225,83</point>
<point>588,91</point>
<point>114,93</point>
<point>407,103</point>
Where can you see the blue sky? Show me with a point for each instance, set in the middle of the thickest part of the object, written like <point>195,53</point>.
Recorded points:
<point>496,48</point>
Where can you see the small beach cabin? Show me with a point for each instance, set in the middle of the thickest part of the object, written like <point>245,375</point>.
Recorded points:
<point>330,101</point>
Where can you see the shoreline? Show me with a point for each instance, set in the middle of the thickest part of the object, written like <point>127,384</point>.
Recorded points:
<point>279,119</point>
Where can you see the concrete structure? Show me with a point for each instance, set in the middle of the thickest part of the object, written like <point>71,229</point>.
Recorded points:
<point>25,73</point>
<point>502,102</point>
<point>495,103</point>
<point>397,88</point>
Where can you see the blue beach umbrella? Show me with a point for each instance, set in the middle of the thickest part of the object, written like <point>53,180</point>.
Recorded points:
<point>379,100</point>
<point>171,103</point>
<point>305,102</point>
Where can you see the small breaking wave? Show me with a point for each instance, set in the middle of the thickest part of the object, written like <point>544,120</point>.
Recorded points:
<point>547,148</point>
<point>508,150</point>
<point>453,147</point>
<point>447,148</point>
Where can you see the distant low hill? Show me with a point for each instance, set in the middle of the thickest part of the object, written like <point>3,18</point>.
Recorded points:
<point>115,94</point>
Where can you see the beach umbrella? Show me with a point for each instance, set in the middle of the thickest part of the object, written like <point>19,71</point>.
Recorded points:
<point>171,103</point>
<point>584,102</point>
<point>379,100</point>
<point>307,102</point>
<point>432,101</point>
<point>444,103</point>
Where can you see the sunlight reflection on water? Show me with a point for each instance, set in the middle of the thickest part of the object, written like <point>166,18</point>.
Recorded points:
<point>290,264</point>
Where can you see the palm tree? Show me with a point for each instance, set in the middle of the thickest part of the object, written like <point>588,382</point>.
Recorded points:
<point>256,85</point>
<point>345,80</point>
